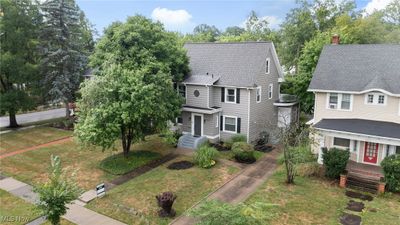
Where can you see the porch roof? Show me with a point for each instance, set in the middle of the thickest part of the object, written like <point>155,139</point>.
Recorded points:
<point>195,109</point>
<point>363,127</point>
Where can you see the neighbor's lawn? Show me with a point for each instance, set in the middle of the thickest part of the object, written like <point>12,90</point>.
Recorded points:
<point>14,208</point>
<point>17,140</point>
<point>32,166</point>
<point>134,202</point>
<point>317,201</point>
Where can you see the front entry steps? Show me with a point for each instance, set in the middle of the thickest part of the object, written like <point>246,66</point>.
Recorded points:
<point>362,183</point>
<point>191,142</point>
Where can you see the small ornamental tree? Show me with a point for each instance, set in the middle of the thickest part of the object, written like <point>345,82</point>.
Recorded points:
<point>391,169</point>
<point>335,161</point>
<point>57,192</point>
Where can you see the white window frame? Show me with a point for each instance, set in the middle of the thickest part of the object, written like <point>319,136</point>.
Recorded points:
<point>177,120</point>
<point>226,95</point>
<point>375,99</point>
<point>339,101</point>
<point>217,124</point>
<point>228,131</point>
<point>270,91</point>
<point>341,147</point>
<point>268,66</point>
<point>258,94</point>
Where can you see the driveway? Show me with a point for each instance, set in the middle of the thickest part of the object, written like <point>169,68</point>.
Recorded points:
<point>34,117</point>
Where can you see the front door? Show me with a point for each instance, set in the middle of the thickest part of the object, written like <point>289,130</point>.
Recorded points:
<point>371,152</point>
<point>197,125</point>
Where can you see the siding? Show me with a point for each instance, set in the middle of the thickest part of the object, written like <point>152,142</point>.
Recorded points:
<point>388,112</point>
<point>186,122</point>
<point>264,115</point>
<point>231,109</point>
<point>201,100</point>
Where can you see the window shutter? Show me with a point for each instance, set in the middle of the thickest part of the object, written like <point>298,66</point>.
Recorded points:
<point>237,95</point>
<point>222,94</point>
<point>238,125</point>
<point>221,122</point>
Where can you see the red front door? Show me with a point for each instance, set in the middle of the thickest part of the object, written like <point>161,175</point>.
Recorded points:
<point>371,152</point>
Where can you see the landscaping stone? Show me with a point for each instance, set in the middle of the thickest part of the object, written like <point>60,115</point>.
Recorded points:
<point>181,165</point>
<point>350,219</point>
<point>355,206</point>
<point>364,197</point>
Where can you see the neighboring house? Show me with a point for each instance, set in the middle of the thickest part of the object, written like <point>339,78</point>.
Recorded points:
<point>231,89</point>
<point>357,102</point>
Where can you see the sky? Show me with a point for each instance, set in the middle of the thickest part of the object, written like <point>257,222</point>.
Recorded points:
<point>183,16</point>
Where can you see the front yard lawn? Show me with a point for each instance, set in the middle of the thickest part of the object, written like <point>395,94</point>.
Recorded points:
<point>21,139</point>
<point>134,202</point>
<point>31,167</point>
<point>14,210</point>
<point>318,201</point>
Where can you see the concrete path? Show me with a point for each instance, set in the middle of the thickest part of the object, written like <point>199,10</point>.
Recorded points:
<point>34,117</point>
<point>76,213</point>
<point>242,186</point>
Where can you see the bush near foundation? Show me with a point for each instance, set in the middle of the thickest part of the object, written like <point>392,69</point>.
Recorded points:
<point>243,152</point>
<point>335,161</point>
<point>391,169</point>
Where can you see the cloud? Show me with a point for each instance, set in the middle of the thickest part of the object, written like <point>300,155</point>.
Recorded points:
<point>172,19</point>
<point>273,21</point>
<point>376,5</point>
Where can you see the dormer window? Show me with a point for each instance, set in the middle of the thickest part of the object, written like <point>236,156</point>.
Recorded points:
<point>267,65</point>
<point>375,99</point>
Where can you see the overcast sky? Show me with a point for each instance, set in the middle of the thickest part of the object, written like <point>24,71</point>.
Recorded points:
<point>183,16</point>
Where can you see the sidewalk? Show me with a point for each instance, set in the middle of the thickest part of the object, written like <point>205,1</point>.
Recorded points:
<point>242,186</point>
<point>76,213</point>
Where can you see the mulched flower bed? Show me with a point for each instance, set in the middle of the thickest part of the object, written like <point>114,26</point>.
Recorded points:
<point>349,219</point>
<point>263,148</point>
<point>248,161</point>
<point>364,197</point>
<point>181,165</point>
<point>220,146</point>
<point>355,206</point>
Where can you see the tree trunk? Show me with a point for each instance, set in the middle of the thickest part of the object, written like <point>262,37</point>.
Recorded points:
<point>126,142</point>
<point>67,112</point>
<point>13,120</point>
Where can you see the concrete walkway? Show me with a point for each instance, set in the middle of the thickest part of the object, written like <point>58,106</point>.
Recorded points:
<point>242,186</point>
<point>34,117</point>
<point>76,213</point>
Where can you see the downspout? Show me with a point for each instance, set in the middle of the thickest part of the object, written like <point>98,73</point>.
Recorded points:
<point>248,115</point>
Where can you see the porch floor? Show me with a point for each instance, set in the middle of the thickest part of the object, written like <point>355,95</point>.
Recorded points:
<point>364,169</point>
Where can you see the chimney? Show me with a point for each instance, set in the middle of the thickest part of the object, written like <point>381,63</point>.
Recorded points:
<point>335,39</point>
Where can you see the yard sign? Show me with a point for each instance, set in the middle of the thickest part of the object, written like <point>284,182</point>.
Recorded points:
<point>101,190</point>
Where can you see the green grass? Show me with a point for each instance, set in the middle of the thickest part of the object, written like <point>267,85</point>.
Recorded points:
<point>230,156</point>
<point>319,201</point>
<point>14,210</point>
<point>37,123</point>
<point>134,202</point>
<point>119,164</point>
<point>21,139</point>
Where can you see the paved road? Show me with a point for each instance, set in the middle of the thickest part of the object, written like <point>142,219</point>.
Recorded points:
<point>34,117</point>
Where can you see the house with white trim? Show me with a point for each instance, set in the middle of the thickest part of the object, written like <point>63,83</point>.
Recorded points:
<point>232,88</point>
<point>357,102</point>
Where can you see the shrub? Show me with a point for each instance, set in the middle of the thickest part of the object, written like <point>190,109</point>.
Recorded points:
<point>171,137</point>
<point>335,161</point>
<point>235,138</point>
<point>391,169</point>
<point>263,138</point>
<point>205,156</point>
<point>243,152</point>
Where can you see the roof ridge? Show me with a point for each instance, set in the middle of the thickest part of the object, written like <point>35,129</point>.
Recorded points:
<point>231,42</point>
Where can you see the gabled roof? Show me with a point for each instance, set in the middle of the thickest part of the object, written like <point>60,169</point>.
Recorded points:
<point>358,68</point>
<point>209,79</point>
<point>235,63</point>
<point>359,126</point>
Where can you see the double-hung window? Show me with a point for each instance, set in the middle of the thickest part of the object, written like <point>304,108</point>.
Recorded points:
<point>339,101</point>
<point>230,124</point>
<point>231,95</point>
<point>182,90</point>
<point>258,94</point>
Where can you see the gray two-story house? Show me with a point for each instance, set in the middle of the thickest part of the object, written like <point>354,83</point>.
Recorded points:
<point>231,89</point>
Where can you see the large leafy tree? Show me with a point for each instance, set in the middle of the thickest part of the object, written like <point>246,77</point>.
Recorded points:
<point>65,44</point>
<point>133,94</point>
<point>203,33</point>
<point>19,24</point>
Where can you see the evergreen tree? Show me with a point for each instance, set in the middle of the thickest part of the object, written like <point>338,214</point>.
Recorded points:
<point>19,24</point>
<point>65,48</point>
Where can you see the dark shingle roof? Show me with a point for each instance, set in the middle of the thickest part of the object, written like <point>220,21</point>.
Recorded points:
<point>358,68</point>
<point>358,126</point>
<point>236,64</point>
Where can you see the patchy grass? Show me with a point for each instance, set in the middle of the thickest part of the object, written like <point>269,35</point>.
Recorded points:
<point>230,156</point>
<point>119,164</point>
<point>62,222</point>
<point>317,201</point>
<point>134,202</point>
<point>36,123</point>
<point>14,210</point>
<point>21,139</point>
<point>32,167</point>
